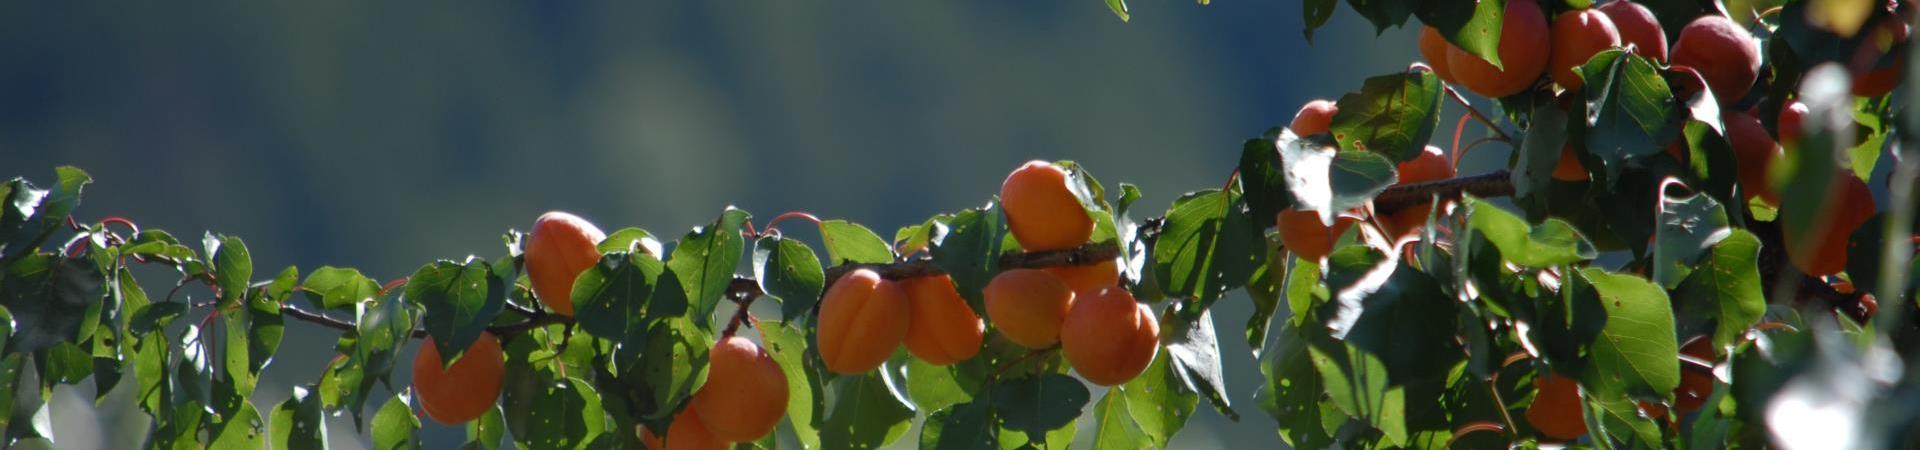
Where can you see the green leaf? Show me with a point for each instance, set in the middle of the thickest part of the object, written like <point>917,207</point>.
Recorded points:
<point>1636,353</point>
<point>1689,228</point>
<point>1158,403</point>
<point>1621,422</point>
<point>1326,181</point>
<point>867,412</point>
<point>1729,279</point>
<point>970,251</point>
<point>1041,403</point>
<point>1206,248</point>
<point>1408,324</point>
<point>265,326</point>
<point>1384,13</point>
<point>1472,26</point>
<point>1392,115</point>
<point>1194,352</point>
<point>30,215</point>
<point>1316,13</point>
<point>630,239</point>
<point>299,423</point>
<point>674,362</point>
<point>65,363</point>
<point>338,288</point>
<point>935,388</point>
<point>1292,393</point>
<point>1630,111</point>
<point>1357,382</point>
<point>703,262</point>
<point>1115,428</point>
<point>1540,151</point>
<point>805,395</point>
<point>233,268</point>
<point>966,426</point>
<point>1263,180</point>
<point>789,271</point>
<point>49,297</point>
<point>849,242</point>
<point>460,300</point>
<point>1266,287</point>
<point>242,429</point>
<point>487,430</point>
<point>612,299</point>
<point>1552,243</point>
<point>394,425</point>
<point>237,366</point>
<point>551,413</point>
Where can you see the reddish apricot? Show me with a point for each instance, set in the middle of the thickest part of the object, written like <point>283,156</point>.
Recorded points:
<point>1523,54</point>
<point>1027,306</point>
<point>1577,36</point>
<point>1792,124</point>
<point>1754,153</point>
<point>560,246</point>
<point>687,432</point>
<point>1556,408</point>
<point>1696,382</point>
<point>1314,118</point>
<point>1305,235</point>
<point>1108,337</point>
<point>862,319</point>
<point>1885,37</point>
<point>1041,209</point>
<point>1823,249</point>
<point>1433,47</point>
<point>1431,165</point>
<point>456,394</point>
<point>1569,168</point>
<point>1638,27</point>
<point>745,394</point>
<point>1724,53</point>
<point>942,329</point>
<point>1088,277</point>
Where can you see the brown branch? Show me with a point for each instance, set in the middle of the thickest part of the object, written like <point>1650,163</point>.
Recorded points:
<point>922,266</point>
<point>1495,184</point>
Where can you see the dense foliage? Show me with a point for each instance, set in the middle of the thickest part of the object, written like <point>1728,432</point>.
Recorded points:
<point>1704,245</point>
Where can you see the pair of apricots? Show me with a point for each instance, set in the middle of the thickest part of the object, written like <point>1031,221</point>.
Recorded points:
<point>1303,233</point>
<point>1555,410</point>
<point>1107,336</point>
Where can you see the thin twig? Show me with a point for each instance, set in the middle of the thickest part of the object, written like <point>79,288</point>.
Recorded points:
<point>1462,100</point>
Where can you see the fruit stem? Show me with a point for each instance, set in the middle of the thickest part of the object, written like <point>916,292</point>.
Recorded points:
<point>391,285</point>
<point>1472,428</point>
<point>771,224</point>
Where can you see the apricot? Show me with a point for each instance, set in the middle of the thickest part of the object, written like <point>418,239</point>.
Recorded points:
<point>1315,117</point>
<point>1431,165</point>
<point>1088,277</point>
<point>1823,250</point>
<point>1725,54</point>
<point>745,394</point>
<point>1041,209</point>
<point>1556,408</point>
<point>1577,36</point>
<point>862,319</point>
<point>465,390</point>
<point>942,329</point>
<point>1028,306</point>
<point>1695,383</point>
<point>1108,337</point>
<point>1523,53</point>
<point>687,432</point>
<point>1792,123</point>
<point>1885,37</point>
<point>1304,234</point>
<point>1637,27</point>
<point>1569,168</point>
<point>560,247</point>
<point>1433,48</point>
<point>1754,153</point>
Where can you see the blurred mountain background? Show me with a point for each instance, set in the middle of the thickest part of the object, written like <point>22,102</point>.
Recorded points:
<point>384,136</point>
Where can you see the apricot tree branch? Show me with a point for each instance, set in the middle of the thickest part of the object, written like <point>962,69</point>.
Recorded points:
<point>1495,184</point>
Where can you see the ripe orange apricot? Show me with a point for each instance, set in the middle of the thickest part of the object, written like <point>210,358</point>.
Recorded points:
<point>862,319</point>
<point>1433,48</point>
<point>1556,408</point>
<point>1523,55</point>
<point>1042,212</point>
<point>1108,337</point>
<point>1314,118</point>
<point>1754,153</point>
<point>1637,27</point>
<point>1303,233</point>
<point>1824,252</point>
<point>1577,36</point>
<point>1725,54</point>
<point>1431,165</point>
<point>1088,277</point>
<point>456,394</point>
<point>1569,168</point>
<point>745,394</point>
<point>560,247</point>
<point>942,329</point>
<point>687,432</point>
<point>1027,306</point>
<point>1886,36</point>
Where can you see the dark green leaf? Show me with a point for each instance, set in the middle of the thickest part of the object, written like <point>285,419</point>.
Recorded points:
<point>1158,403</point>
<point>49,297</point>
<point>233,268</point>
<point>970,251</point>
<point>1292,393</point>
<point>242,429</point>
<point>1630,110</point>
<point>1357,382</point>
<point>1392,115</point>
<point>338,288</point>
<point>967,426</point>
<point>30,215</point>
<point>1115,429</point>
<point>703,262</point>
<point>788,270</point>
<point>1206,248</point>
<point>1689,228</point>
<point>1473,26</point>
<point>460,300</point>
<point>849,242</point>
<point>65,363</point>
<point>1263,180</point>
<point>394,425</point>
<point>1040,404</point>
<point>1194,352</point>
<point>1384,13</point>
<point>1316,13</point>
<point>611,300</point>
<point>551,413</point>
<point>1540,150</point>
<point>1266,287</point>
<point>1729,279</point>
<point>674,361</point>
<point>866,413</point>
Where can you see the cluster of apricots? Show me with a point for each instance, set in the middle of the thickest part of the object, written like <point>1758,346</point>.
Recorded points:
<point>1726,58</point>
<point>1303,233</point>
<point>1556,410</point>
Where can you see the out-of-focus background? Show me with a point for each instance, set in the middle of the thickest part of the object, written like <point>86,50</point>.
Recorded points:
<point>384,136</point>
